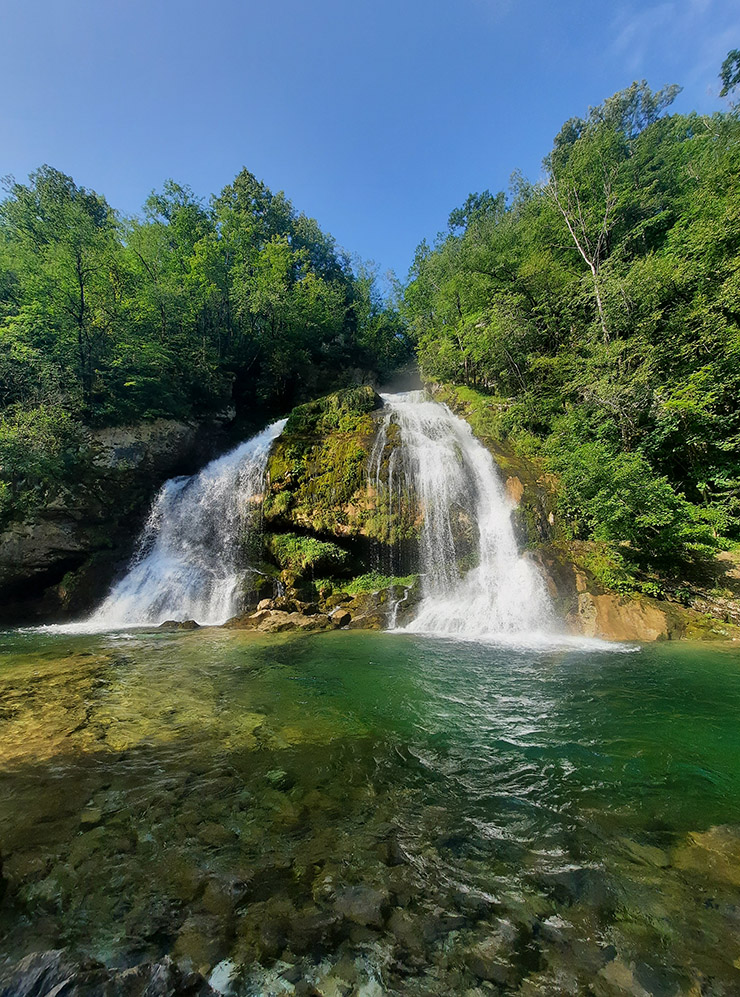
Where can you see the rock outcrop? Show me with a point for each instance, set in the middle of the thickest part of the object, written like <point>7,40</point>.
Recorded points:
<point>283,615</point>
<point>590,610</point>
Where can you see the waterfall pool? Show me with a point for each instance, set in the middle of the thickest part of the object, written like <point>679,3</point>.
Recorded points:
<point>368,813</point>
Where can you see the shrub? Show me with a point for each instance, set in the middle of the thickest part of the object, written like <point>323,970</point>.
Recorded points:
<point>297,554</point>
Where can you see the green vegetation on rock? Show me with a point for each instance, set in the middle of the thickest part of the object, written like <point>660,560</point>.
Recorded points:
<point>372,581</point>
<point>298,554</point>
<point>317,466</point>
<point>341,412</point>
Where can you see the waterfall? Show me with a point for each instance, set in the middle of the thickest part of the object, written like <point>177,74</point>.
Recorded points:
<point>189,562</point>
<point>474,582</point>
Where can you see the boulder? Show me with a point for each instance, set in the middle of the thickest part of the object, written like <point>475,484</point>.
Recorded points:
<point>490,958</point>
<point>362,905</point>
<point>312,929</point>
<point>340,617</point>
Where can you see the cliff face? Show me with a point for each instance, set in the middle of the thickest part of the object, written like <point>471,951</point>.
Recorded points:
<point>59,562</point>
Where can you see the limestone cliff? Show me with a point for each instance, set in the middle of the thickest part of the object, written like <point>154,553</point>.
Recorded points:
<point>59,561</point>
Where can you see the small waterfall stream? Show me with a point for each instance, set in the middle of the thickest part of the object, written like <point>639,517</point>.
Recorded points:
<point>190,562</point>
<point>466,518</point>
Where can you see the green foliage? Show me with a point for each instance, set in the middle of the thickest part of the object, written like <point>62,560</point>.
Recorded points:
<point>183,312</point>
<point>617,498</point>
<point>730,72</point>
<point>297,554</point>
<point>372,581</point>
<point>599,311</point>
<point>43,453</point>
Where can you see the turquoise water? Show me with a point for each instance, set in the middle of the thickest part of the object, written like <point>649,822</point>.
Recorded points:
<point>357,810</point>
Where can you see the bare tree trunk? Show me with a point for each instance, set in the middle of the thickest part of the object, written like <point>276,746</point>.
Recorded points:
<point>592,258</point>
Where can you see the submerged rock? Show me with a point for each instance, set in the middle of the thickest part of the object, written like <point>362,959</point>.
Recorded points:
<point>279,779</point>
<point>42,974</point>
<point>362,905</point>
<point>644,854</point>
<point>91,817</point>
<point>490,958</point>
<point>713,854</point>
<point>312,929</point>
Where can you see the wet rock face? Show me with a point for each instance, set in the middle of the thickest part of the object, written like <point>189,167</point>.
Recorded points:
<point>363,905</point>
<point>56,972</point>
<point>340,617</point>
<point>58,562</point>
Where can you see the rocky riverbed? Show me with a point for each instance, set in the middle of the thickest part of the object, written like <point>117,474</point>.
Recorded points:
<point>350,813</point>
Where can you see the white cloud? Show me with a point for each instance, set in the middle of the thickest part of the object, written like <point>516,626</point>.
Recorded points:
<point>691,37</point>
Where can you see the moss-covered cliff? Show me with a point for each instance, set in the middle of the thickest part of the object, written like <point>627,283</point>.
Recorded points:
<point>328,529</point>
<point>316,471</point>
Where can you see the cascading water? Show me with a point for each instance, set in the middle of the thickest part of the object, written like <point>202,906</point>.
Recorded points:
<point>466,518</point>
<point>189,562</point>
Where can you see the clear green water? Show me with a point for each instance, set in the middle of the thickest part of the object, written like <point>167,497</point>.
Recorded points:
<point>375,813</point>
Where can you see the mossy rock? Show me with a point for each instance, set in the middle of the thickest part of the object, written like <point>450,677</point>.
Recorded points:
<point>339,412</point>
<point>298,554</point>
<point>316,470</point>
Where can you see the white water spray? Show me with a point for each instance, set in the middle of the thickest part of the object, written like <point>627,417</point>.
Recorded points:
<point>455,482</point>
<point>189,563</point>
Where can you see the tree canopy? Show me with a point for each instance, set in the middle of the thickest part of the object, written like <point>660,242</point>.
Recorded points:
<point>182,312</point>
<point>601,309</point>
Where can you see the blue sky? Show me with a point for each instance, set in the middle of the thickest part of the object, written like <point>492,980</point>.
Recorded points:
<point>376,117</point>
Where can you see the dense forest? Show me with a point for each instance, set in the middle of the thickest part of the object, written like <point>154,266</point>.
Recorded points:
<point>595,317</point>
<point>182,313</point>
